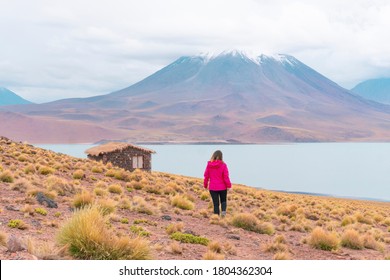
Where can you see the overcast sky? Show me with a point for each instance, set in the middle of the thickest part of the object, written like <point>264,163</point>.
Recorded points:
<point>53,49</point>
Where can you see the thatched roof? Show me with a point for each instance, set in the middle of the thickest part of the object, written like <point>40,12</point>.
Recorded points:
<point>114,146</point>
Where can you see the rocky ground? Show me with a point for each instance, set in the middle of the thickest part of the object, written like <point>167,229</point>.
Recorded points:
<point>154,205</point>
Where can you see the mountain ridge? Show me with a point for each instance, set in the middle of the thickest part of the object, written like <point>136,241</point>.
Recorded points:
<point>268,98</point>
<point>377,90</point>
<point>8,97</point>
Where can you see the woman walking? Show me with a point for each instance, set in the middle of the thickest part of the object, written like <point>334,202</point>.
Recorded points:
<point>216,179</point>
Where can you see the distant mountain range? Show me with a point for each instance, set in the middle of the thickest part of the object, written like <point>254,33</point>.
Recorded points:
<point>375,89</point>
<point>229,97</point>
<point>8,97</point>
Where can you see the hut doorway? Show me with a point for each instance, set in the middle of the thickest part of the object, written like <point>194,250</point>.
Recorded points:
<point>138,162</point>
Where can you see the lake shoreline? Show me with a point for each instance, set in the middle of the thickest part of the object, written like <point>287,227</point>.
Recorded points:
<point>346,170</point>
<point>332,196</point>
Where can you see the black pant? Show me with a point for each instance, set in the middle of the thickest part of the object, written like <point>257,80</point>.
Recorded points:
<point>216,197</point>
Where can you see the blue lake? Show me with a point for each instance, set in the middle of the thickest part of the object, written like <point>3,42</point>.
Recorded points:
<point>357,170</point>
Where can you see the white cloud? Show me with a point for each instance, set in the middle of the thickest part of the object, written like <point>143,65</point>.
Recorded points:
<point>58,49</point>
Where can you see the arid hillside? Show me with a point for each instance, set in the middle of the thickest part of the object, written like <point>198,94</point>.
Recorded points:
<point>53,206</point>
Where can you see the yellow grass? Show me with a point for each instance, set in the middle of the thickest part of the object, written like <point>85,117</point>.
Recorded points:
<point>370,242</point>
<point>6,177</point>
<point>215,247</point>
<point>210,255</point>
<point>141,206</point>
<point>45,170</point>
<point>176,248</point>
<point>87,237</point>
<point>100,192</point>
<point>21,185</point>
<point>59,185</point>
<point>351,239</point>
<point>321,239</point>
<point>277,245</point>
<point>107,206</point>
<point>78,174</point>
<point>154,194</point>
<point>282,256</point>
<point>3,238</point>
<point>250,222</point>
<point>82,199</point>
<point>182,202</point>
<point>172,228</point>
<point>115,188</point>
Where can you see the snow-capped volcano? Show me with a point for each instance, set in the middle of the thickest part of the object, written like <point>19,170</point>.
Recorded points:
<point>231,72</point>
<point>250,56</point>
<point>246,55</point>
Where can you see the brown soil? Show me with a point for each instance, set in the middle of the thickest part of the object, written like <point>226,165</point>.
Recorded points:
<point>39,238</point>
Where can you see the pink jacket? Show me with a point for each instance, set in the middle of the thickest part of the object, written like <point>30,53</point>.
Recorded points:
<point>218,174</point>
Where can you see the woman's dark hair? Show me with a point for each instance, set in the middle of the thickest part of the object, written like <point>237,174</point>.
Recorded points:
<point>217,155</point>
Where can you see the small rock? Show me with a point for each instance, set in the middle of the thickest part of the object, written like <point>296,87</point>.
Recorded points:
<point>166,217</point>
<point>44,200</point>
<point>36,223</point>
<point>233,236</point>
<point>312,217</point>
<point>14,244</point>
<point>12,208</point>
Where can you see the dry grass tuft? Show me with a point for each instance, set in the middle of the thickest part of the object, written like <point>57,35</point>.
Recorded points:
<point>3,238</point>
<point>82,199</point>
<point>154,189</point>
<point>87,237</point>
<point>100,192</point>
<point>230,249</point>
<point>371,243</point>
<point>172,228</point>
<point>59,185</point>
<point>22,185</point>
<point>141,206</point>
<point>43,250</point>
<point>182,202</point>
<point>205,196</point>
<point>278,245</point>
<point>282,256</point>
<point>287,210</point>
<point>115,188</point>
<point>348,220</point>
<point>363,219</point>
<point>215,247</point>
<point>78,174</point>
<point>97,169</point>
<point>386,222</point>
<point>351,239</point>
<point>250,222</point>
<point>6,177</point>
<point>210,255</point>
<point>320,239</point>
<point>107,206</point>
<point>176,248</point>
<point>46,170</point>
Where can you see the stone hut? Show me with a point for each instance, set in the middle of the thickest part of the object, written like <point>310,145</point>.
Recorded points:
<point>124,155</point>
